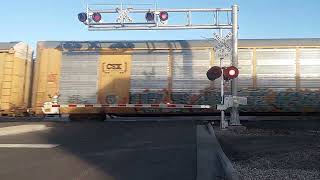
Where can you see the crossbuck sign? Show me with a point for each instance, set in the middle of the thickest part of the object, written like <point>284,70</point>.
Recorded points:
<point>223,46</point>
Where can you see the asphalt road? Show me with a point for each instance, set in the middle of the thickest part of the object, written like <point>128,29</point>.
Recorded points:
<point>119,151</point>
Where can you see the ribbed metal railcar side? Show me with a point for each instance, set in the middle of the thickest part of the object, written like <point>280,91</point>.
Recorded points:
<point>188,68</point>
<point>79,78</point>
<point>276,68</point>
<point>15,79</point>
<point>190,84</point>
<point>310,67</point>
<point>149,71</point>
<point>275,75</point>
<point>46,79</point>
<point>284,79</point>
<point>246,68</point>
<point>170,76</point>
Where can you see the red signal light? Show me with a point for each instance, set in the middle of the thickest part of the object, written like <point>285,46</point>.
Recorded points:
<point>96,17</point>
<point>150,16</point>
<point>214,73</point>
<point>82,17</point>
<point>230,73</point>
<point>163,16</point>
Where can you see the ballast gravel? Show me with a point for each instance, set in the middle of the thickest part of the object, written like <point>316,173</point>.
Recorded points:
<point>273,153</point>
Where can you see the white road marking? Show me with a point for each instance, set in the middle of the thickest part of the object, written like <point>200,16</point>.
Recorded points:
<point>33,146</point>
<point>13,130</point>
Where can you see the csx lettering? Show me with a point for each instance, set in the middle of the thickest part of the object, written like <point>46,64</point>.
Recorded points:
<point>114,66</point>
<point>119,68</point>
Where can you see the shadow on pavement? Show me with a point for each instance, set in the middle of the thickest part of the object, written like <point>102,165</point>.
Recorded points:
<point>123,151</point>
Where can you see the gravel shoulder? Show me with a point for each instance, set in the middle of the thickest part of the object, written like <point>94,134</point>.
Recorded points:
<point>274,149</point>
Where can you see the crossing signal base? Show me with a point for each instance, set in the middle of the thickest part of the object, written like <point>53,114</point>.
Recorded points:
<point>231,101</point>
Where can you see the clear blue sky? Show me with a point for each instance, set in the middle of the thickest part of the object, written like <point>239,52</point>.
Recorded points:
<point>33,20</point>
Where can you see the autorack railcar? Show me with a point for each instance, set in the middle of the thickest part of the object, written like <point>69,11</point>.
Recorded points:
<point>96,77</point>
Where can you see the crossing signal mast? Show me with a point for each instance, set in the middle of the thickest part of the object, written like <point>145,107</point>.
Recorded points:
<point>111,17</point>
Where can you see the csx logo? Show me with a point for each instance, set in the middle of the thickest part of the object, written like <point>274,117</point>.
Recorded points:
<point>114,66</point>
<point>108,68</point>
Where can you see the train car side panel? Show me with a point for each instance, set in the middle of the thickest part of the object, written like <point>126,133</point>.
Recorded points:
<point>15,71</point>
<point>47,76</point>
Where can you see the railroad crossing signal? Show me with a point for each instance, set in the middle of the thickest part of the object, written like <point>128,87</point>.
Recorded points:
<point>228,73</point>
<point>156,19</point>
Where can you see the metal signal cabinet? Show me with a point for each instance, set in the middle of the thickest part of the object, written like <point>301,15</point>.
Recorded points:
<point>16,68</point>
<point>278,75</point>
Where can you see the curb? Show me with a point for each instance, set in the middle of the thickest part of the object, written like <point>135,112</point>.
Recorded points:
<point>212,163</point>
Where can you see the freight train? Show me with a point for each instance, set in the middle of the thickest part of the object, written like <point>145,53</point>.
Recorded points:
<point>147,77</point>
<point>16,69</point>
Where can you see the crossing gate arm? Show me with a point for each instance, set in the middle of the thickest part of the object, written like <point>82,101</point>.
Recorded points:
<point>160,106</point>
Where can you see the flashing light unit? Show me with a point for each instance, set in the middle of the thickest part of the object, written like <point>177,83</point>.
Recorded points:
<point>149,16</point>
<point>164,16</point>
<point>228,73</point>
<point>82,17</point>
<point>96,17</point>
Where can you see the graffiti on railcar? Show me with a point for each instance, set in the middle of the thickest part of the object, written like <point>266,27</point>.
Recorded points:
<point>259,100</point>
